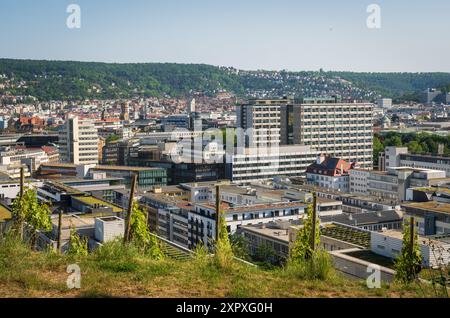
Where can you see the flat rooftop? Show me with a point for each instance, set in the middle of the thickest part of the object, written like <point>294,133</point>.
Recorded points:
<point>59,165</point>
<point>429,206</point>
<point>421,239</point>
<point>347,234</point>
<point>90,200</point>
<point>274,233</point>
<point>256,207</point>
<point>125,168</point>
<point>5,214</point>
<point>74,221</point>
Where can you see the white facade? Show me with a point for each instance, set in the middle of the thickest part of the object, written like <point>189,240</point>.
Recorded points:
<point>202,225</point>
<point>384,102</point>
<point>358,181</point>
<point>262,121</point>
<point>392,157</point>
<point>389,244</point>
<point>337,183</point>
<point>264,164</point>
<point>10,189</point>
<point>341,130</point>
<point>79,142</point>
<point>109,228</point>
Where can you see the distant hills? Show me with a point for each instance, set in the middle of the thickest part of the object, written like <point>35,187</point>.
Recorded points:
<point>64,80</point>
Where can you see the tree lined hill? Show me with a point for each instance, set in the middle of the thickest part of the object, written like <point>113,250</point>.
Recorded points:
<point>66,80</point>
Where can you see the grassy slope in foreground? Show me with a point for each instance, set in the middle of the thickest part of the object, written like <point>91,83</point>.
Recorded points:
<point>123,274</point>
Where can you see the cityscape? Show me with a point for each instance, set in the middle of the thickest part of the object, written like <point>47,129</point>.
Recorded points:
<point>137,179</point>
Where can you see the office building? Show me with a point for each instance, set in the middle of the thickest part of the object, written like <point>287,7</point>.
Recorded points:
<point>391,186</point>
<point>259,164</point>
<point>327,125</point>
<point>78,142</point>
<point>432,217</point>
<point>332,127</point>
<point>399,157</point>
<point>261,120</point>
<point>147,177</point>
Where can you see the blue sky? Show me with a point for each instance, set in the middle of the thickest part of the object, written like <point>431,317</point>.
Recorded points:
<point>247,34</point>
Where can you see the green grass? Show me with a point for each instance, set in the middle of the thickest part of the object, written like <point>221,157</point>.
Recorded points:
<point>121,271</point>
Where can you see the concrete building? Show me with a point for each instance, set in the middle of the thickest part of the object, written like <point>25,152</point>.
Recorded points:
<point>389,244</point>
<point>109,228</point>
<point>358,181</point>
<point>332,127</point>
<point>278,237</point>
<point>327,125</point>
<point>370,221</point>
<point>432,217</point>
<point>390,158</point>
<point>434,162</point>
<point>17,156</point>
<point>258,164</point>
<point>78,142</point>
<point>148,177</point>
<point>384,102</point>
<point>261,119</point>
<point>391,185</point>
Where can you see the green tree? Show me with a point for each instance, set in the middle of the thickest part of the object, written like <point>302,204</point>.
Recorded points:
<point>28,209</point>
<point>378,147</point>
<point>112,138</point>
<point>78,246</point>
<point>239,244</point>
<point>394,141</point>
<point>408,264</point>
<point>223,251</point>
<point>301,248</point>
<point>414,147</point>
<point>140,233</point>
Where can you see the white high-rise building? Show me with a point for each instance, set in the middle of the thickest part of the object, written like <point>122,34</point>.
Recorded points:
<point>261,120</point>
<point>327,125</point>
<point>78,142</point>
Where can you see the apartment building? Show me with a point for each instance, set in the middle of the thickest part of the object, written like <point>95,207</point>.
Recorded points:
<point>330,173</point>
<point>202,225</point>
<point>79,142</point>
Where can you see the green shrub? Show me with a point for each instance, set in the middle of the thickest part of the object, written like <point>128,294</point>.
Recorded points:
<point>318,267</point>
